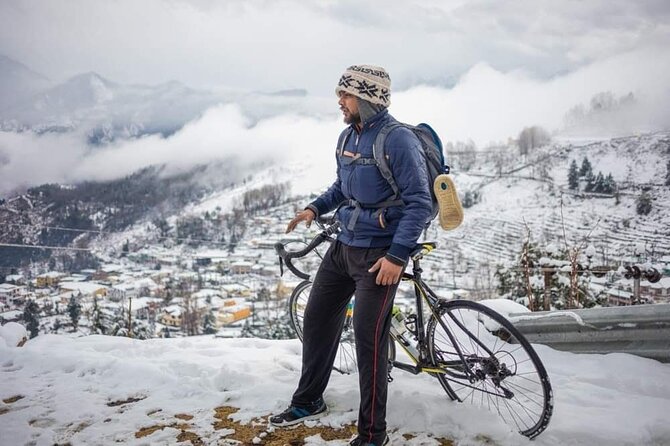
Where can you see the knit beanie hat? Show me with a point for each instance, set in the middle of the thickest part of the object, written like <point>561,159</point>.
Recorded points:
<point>367,82</point>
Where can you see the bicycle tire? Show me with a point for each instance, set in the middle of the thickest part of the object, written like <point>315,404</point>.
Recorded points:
<point>513,382</point>
<point>345,361</point>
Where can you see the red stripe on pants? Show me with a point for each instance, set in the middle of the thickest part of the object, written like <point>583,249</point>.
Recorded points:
<point>374,367</point>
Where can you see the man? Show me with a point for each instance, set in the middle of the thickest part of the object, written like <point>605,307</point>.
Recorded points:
<point>378,232</point>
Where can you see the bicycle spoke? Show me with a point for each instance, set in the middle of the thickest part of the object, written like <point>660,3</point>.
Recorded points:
<point>511,384</point>
<point>530,414</point>
<point>520,375</point>
<point>506,371</point>
<point>469,337</point>
<point>512,413</point>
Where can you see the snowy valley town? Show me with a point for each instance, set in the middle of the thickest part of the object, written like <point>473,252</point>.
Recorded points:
<point>154,291</point>
<point>537,234</point>
<point>159,159</point>
<point>147,291</point>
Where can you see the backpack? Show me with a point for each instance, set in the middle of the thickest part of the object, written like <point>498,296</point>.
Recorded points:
<point>443,194</point>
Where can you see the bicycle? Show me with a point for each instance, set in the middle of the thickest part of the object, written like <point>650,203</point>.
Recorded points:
<point>476,354</point>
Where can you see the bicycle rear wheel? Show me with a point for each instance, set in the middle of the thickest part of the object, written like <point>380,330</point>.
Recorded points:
<point>345,361</point>
<point>499,369</point>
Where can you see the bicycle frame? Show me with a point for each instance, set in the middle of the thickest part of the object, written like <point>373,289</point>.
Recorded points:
<point>423,293</point>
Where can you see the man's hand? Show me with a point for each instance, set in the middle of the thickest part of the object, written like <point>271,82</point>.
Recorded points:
<point>307,216</point>
<point>389,273</point>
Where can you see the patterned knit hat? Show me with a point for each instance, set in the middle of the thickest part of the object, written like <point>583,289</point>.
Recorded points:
<point>367,82</point>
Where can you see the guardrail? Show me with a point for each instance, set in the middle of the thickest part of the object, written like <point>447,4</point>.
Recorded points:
<point>642,330</point>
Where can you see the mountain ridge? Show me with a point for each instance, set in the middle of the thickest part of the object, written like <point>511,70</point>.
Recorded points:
<point>503,209</point>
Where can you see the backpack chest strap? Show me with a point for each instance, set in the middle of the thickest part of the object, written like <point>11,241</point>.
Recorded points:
<point>358,207</point>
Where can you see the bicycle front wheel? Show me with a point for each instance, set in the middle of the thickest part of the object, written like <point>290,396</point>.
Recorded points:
<point>487,362</point>
<point>345,361</point>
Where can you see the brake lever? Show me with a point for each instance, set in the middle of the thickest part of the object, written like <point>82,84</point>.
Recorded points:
<point>281,266</point>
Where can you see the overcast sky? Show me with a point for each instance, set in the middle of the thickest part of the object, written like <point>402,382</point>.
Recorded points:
<point>280,44</point>
<point>479,70</point>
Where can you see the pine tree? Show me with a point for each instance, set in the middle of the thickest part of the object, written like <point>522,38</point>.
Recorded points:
<point>504,277</point>
<point>97,325</point>
<point>599,183</point>
<point>586,168</point>
<point>119,323</point>
<point>74,310</point>
<point>209,323</point>
<point>573,176</point>
<point>30,317</point>
<point>590,182</point>
<point>643,205</point>
<point>513,282</point>
<point>609,185</point>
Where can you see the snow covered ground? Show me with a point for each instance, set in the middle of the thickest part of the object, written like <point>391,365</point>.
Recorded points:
<point>102,390</point>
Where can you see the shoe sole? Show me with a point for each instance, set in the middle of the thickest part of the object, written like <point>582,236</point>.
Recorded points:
<point>316,416</point>
<point>451,211</point>
<point>387,440</point>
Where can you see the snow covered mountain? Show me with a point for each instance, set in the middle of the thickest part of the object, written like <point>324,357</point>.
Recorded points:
<point>107,110</point>
<point>509,198</point>
<point>18,83</point>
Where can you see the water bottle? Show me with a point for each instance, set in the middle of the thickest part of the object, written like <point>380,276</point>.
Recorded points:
<point>399,330</point>
<point>398,327</point>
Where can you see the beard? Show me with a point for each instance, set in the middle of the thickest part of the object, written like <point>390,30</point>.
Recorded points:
<point>352,118</point>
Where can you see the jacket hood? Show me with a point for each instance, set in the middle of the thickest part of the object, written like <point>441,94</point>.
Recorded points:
<point>368,110</point>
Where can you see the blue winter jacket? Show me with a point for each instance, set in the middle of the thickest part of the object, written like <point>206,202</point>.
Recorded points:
<point>396,227</point>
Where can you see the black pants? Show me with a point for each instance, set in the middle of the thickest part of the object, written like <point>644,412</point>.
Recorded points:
<point>344,270</point>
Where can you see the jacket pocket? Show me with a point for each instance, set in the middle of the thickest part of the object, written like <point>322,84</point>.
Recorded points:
<point>389,218</point>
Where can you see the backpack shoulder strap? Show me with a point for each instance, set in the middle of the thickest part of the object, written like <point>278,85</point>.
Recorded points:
<point>379,153</point>
<point>342,140</point>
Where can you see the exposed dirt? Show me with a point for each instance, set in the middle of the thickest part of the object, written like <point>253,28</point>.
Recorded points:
<point>266,435</point>
<point>145,431</point>
<point>257,431</point>
<point>13,399</point>
<point>126,401</point>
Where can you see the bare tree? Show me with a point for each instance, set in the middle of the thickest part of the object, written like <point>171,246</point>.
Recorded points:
<point>532,137</point>
<point>526,264</point>
<point>573,253</point>
<point>190,316</point>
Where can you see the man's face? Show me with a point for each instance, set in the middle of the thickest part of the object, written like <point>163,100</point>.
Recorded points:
<point>349,105</point>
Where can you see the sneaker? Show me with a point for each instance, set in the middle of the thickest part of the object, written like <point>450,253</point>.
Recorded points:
<point>450,208</point>
<point>359,442</point>
<point>294,415</point>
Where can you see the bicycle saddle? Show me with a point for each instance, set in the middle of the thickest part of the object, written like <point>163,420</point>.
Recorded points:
<point>421,249</point>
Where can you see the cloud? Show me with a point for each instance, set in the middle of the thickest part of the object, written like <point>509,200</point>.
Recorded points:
<point>268,45</point>
<point>27,159</point>
<point>485,105</point>
<point>223,134</point>
<point>488,105</point>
